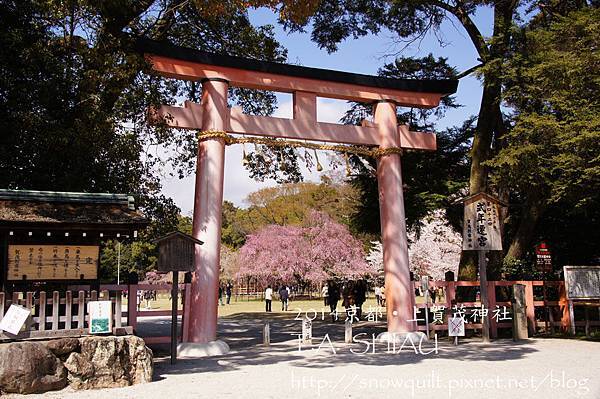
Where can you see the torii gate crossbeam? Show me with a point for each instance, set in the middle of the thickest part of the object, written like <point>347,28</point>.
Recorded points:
<point>217,73</point>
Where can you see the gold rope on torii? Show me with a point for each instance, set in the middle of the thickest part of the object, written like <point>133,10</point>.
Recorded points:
<point>344,149</point>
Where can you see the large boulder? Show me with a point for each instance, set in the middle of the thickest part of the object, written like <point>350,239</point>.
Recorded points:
<point>63,346</point>
<point>105,362</point>
<point>30,367</point>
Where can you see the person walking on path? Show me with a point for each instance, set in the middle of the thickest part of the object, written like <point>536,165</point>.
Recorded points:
<point>284,294</point>
<point>268,298</point>
<point>220,295</point>
<point>325,294</point>
<point>228,292</point>
<point>334,297</point>
<point>378,294</point>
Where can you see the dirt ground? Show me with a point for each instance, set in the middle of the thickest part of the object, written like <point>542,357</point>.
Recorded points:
<point>536,368</point>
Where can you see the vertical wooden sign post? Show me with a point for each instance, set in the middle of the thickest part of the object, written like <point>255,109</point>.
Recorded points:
<point>176,253</point>
<point>174,302</point>
<point>481,233</point>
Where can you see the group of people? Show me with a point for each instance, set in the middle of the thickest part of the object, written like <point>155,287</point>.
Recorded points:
<point>380,295</point>
<point>145,296</point>
<point>284,297</point>
<point>353,295</point>
<point>225,289</point>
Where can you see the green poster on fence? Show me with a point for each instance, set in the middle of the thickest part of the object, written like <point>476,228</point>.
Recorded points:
<point>100,317</point>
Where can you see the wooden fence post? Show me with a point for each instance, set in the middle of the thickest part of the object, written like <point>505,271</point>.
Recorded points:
<point>118,310</point>
<point>132,306</point>
<point>68,309</point>
<point>450,296</point>
<point>1,305</point>
<point>42,313</point>
<point>29,304</point>
<point>529,301</point>
<point>492,306</point>
<point>55,310</point>
<point>565,320</point>
<point>267,334</point>
<point>81,309</point>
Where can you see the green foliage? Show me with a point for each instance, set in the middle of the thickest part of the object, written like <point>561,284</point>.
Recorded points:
<point>74,96</point>
<point>431,179</point>
<point>137,256</point>
<point>550,157</point>
<point>553,83</point>
<point>520,269</point>
<point>232,233</point>
<point>74,93</point>
<point>337,20</point>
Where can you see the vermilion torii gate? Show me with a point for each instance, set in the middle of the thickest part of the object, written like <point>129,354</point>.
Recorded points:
<point>217,73</point>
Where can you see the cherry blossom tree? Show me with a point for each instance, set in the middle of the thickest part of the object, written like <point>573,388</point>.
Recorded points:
<point>433,250</point>
<point>312,253</point>
<point>229,264</point>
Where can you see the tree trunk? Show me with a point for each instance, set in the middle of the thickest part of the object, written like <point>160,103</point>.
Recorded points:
<point>490,124</point>
<point>533,208</point>
<point>480,152</point>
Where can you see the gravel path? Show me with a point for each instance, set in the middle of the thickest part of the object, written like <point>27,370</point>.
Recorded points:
<point>537,368</point>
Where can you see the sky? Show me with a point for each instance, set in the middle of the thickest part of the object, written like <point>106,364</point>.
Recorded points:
<point>364,55</point>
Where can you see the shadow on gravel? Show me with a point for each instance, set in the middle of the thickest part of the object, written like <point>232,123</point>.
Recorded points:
<point>243,333</point>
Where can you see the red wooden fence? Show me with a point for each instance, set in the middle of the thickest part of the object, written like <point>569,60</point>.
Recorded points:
<point>550,307</point>
<point>65,314</point>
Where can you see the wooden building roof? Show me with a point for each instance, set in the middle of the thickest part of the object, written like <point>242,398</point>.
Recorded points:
<point>48,208</point>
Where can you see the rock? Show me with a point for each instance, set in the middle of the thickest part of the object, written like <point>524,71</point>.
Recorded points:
<point>105,362</point>
<point>63,346</point>
<point>30,367</point>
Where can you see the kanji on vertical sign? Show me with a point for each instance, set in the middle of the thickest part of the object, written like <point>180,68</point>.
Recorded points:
<point>481,230</point>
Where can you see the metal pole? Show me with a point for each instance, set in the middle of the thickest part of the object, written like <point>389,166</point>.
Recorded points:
<point>118,262</point>
<point>425,285</point>
<point>174,301</point>
<point>485,321</point>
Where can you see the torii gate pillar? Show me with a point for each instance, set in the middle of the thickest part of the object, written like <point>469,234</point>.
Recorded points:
<point>208,199</point>
<point>217,72</point>
<point>398,287</point>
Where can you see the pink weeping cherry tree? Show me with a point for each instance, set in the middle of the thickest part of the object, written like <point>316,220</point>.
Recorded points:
<point>319,250</point>
<point>433,252</point>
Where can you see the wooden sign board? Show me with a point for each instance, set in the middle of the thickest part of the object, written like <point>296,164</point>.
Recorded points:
<point>14,319</point>
<point>481,229</point>
<point>582,282</point>
<point>52,262</point>
<point>176,252</point>
<point>100,317</point>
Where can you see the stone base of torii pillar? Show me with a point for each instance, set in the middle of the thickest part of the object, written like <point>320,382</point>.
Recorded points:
<point>400,337</point>
<point>192,350</point>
